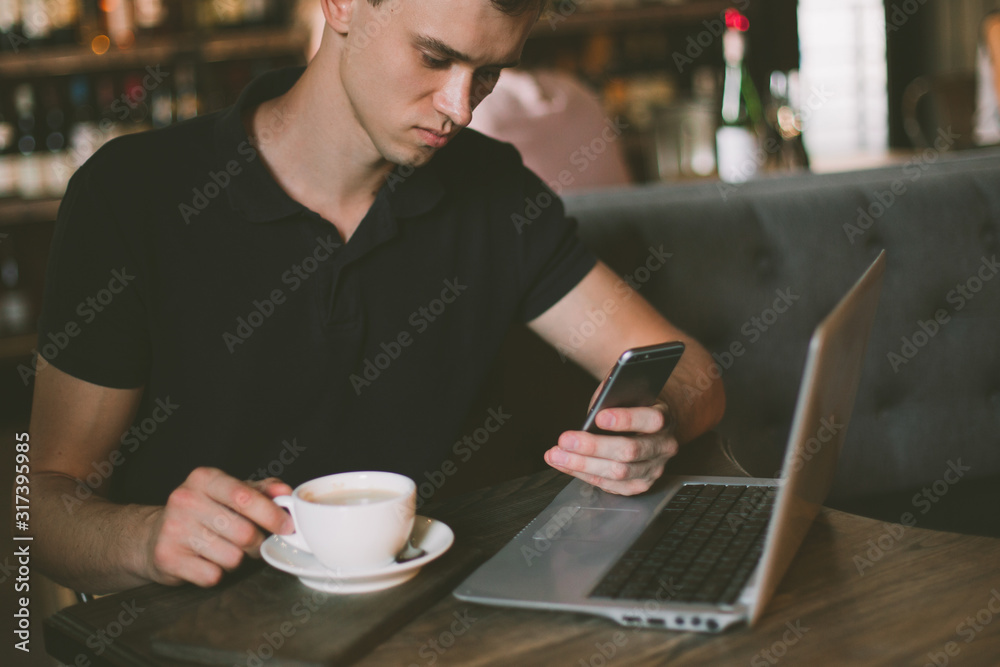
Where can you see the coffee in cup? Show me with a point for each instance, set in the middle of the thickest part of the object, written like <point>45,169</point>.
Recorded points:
<point>352,521</point>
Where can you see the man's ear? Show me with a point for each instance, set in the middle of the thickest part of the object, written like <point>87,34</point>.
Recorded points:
<point>338,13</point>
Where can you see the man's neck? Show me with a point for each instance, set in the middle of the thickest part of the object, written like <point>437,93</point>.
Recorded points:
<point>327,165</point>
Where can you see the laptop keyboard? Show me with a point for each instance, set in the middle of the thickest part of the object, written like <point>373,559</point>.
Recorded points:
<point>702,547</point>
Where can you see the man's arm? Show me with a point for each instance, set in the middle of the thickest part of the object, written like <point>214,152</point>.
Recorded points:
<point>692,402</point>
<point>88,543</point>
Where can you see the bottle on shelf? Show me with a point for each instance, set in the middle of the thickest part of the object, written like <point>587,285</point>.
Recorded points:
<point>267,12</point>
<point>220,13</point>
<point>55,170</point>
<point>152,17</point>
<point>740,133</point>
<point>90,26</point>
<point>11,39</point>
<point>161,106</point>
<point>136,100</point>
<point>15,306</point>
<point>8,148</point>
<point>83,135</point>
<point>785,121</point>
<point>187,90</point>
<point>49,22</point>
<point>63,17</point>
<point>210,91</point>
<point>36,24</point>
<point>30,178</point>
<point>240,13</point>
<point>112,111</point>
<point>255,12</point>
<point>120,22</point>
<point>51,136</point>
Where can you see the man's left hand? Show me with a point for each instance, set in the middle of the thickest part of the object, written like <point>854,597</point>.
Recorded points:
<point>625,464</point>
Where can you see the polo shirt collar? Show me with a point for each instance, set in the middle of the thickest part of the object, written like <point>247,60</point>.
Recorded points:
<point>258,196</point>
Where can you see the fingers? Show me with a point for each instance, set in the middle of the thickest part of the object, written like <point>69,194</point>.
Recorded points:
<point>177,553</point>
<point>242,498</point>
<point>628,487</point>
<point>618,464</point>
<point>636,420</point>
<point>175,561</point>
<point>630,449</point>
<point>272,487</point>
<point>613,458</point>
<point>210,523</point>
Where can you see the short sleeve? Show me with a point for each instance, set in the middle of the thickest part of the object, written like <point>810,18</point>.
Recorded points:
<point>554,260</point>
<point>93,323</point>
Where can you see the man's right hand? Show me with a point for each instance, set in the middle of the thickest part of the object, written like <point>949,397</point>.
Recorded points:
<point>209,523</point>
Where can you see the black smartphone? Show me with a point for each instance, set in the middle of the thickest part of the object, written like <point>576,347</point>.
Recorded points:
<point>636,380</point>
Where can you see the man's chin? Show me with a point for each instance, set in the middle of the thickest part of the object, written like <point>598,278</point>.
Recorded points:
<point>417,158</point>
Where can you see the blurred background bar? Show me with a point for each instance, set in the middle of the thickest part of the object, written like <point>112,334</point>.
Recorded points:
<point>609,93</point>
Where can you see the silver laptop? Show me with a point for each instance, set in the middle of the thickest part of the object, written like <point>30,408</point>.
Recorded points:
<point>694,553</point>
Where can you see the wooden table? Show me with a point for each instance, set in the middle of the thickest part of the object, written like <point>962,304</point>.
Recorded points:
<point>860,592</point>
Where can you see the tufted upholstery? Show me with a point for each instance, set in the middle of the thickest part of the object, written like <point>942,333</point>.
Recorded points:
<point>734,250</point>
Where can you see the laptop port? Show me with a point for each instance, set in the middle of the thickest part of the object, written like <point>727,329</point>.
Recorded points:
<point>656,621</point>
<point>632,619</point>
<point>711,624</point>
<point>695,621</point>
<point>680,620</point>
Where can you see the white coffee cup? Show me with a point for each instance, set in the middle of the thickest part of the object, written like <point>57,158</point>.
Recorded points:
<point>352,521</point>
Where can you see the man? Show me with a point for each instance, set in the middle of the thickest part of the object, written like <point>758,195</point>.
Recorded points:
<point>295,282</point>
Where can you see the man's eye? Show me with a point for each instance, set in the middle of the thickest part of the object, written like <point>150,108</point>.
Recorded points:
<point>433,62</point>
<point>486,82</point>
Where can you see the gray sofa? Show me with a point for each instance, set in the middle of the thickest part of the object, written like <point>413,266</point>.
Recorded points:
<point>926,427</point>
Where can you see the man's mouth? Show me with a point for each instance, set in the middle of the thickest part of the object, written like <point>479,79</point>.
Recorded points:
<point>433,139</point>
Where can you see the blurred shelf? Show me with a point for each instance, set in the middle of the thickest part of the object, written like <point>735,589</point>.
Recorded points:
<point>255,44</point>
<point>246,43</point>
<point>874,159</point>
<point>284,40</point>
<point>16,347</point>
<point>577,20</point>
<point>20,211</point>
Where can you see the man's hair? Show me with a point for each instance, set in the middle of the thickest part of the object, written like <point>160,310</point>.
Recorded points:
<point>509,7</point>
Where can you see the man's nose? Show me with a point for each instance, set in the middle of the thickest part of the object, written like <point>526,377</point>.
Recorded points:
<point>453,100</point>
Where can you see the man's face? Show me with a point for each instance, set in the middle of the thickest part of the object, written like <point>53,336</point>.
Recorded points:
<point>414,70</point>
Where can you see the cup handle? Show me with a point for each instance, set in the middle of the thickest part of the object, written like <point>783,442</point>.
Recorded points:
<point>295,539</point>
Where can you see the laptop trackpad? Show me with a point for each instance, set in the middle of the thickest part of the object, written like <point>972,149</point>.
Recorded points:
<point>589,524</point>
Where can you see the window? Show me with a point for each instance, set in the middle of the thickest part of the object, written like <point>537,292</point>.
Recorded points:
<point>844,99</point>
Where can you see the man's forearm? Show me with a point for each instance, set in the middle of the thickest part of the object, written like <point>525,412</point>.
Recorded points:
<point>695,393</point>
<point>86,542</point>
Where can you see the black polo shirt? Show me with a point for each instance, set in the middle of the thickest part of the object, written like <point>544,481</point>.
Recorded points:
<point>264,343</point>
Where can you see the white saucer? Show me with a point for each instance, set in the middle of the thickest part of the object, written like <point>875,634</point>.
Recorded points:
<point>432,536</point>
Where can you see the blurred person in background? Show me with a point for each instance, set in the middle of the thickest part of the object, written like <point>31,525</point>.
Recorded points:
<point>558,126</point>
<point>987,121</point>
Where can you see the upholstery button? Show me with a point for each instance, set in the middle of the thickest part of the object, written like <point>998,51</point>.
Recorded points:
<point>764,263</point>
<point>883,406</point>
<point>988,236</point>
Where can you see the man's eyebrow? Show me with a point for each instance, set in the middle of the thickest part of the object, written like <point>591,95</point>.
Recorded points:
<point>440,47</point>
